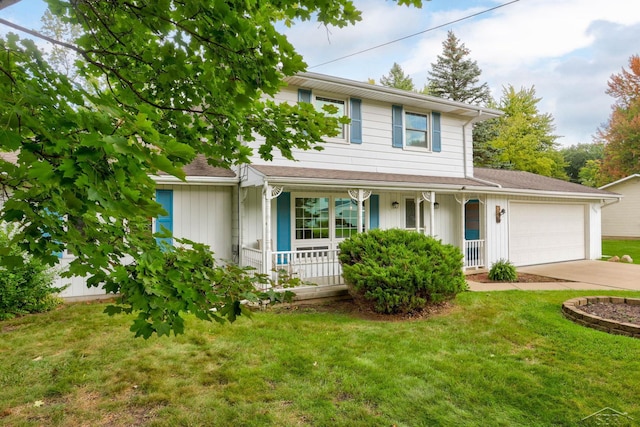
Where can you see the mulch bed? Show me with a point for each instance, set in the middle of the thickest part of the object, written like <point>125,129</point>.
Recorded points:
<point>624,313</point>
<point>522,278</point>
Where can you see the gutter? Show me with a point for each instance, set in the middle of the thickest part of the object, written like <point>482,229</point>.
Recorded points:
<point>195,180</point>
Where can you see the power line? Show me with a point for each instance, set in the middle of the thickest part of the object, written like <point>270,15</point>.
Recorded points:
<point>416,34</point>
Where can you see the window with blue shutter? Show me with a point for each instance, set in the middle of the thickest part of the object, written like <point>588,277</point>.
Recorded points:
<point>397,126</point>
<point>356,121</point>
<point>165,198</point>
<point>304,95</point>
<point>436,139</point>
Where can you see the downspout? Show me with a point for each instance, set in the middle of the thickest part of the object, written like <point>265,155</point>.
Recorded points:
<point>464,141</point>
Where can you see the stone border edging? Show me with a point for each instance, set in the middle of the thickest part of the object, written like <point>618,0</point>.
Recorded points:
<point>571,310</point>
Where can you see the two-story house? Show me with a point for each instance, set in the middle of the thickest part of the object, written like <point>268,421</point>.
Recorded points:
<point>404,161</point>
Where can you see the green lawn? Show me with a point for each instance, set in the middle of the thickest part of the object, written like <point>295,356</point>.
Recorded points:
<point>622,247</point>
<point>497,359</point>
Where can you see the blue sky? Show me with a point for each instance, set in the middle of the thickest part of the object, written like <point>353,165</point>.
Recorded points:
<point>567,49</point>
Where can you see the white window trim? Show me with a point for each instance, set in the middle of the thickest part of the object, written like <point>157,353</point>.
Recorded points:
<point>347,112</point>
<point>429,147</point>
<point>331,241</point>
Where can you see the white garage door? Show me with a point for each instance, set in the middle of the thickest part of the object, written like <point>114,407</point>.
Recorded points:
<point>542,233</point>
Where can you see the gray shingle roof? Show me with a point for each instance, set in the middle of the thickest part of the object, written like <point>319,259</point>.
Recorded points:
<point>519,180</point>
<point>200,167</point>
<point>493,180</point>
<point>342,175</point>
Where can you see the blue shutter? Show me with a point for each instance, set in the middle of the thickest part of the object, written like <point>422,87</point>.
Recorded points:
<point>304,95</point>
<point>283,221</point>
<point>356,121</point>
<point>436,140</point>
<point>165,198</point>
<point>397,127</point>
<point>374,211</point>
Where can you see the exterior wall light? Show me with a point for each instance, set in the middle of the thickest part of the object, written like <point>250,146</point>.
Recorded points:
<point>395,205</point>
<point>499,212</point>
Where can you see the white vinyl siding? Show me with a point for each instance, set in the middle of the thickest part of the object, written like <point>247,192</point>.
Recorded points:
<point>375,153</point>
<point>204,214</point>
<point>621,219</point>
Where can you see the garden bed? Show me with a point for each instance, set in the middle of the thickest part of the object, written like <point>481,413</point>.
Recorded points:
<point>614,315</point>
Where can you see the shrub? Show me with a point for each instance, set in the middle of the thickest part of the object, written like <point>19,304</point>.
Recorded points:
<point>27,286</point>
<point>503,271</point>
<point>399,271</point>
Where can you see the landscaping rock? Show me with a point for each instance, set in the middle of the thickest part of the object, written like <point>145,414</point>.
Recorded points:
<point>614,258</point>
<point>627,259</point>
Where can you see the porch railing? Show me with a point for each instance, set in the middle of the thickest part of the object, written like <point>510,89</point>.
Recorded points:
<point>252,258</point>
<point>474,253</point>
<point>319,266</point>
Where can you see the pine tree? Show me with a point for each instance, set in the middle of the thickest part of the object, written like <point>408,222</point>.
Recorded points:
<point>397,79</point>
<point>456,77</point>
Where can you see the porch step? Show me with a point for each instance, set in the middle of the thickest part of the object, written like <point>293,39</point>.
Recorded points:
<point>321,292</point>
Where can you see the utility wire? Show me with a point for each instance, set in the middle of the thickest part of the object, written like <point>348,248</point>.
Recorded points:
<point>415,34</point>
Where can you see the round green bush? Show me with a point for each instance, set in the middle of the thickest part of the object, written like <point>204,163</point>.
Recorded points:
<point>27,286</point>
<point>400,271</point>
<point>503,271</point>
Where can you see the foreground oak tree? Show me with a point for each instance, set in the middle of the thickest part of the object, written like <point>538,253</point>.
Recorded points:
<point>176,79</point>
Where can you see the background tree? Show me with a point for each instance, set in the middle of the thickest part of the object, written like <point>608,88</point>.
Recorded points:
<point>523,138</point>
<point>456,77</point>
<point>621,135</point>
<point>178,82</point>
<point>577,156</point>
<point>59,57</point>
<point>397,79</point>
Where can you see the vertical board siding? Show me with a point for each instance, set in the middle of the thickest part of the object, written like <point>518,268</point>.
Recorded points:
<point>204,214</point>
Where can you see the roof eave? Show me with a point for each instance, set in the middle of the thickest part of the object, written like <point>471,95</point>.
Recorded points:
<point>387,94</point>
<point>626,178</point>
<point>195,180</point>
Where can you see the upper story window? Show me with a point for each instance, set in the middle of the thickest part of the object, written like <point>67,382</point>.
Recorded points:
<point>339,106</point>
<point>351,108</point>
<point>415,130</point>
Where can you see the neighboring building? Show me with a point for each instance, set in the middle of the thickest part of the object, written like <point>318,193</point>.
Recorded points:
<point>405,161</point>
<point>621,220</point>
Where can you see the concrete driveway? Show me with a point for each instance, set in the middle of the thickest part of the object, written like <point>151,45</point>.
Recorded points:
<point>582,275</point>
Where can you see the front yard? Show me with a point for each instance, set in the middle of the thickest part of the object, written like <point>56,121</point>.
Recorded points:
<point>500,358</point>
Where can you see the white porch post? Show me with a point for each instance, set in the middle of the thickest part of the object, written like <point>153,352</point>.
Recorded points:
<point>432,214</point>
<point>268,193</point>
<point>360,196</point>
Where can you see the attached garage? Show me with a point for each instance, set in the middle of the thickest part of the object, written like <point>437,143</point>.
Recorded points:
<point>541,233</point>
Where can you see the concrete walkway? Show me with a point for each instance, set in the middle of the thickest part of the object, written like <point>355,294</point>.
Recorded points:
<point>580,275</point>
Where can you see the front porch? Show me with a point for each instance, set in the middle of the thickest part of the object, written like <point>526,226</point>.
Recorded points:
<point>293,219</point>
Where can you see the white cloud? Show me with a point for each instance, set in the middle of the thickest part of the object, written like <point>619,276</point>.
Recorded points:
<point>566,49</point>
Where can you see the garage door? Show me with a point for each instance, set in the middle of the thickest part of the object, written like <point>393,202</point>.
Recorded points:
<point>543,233</point>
